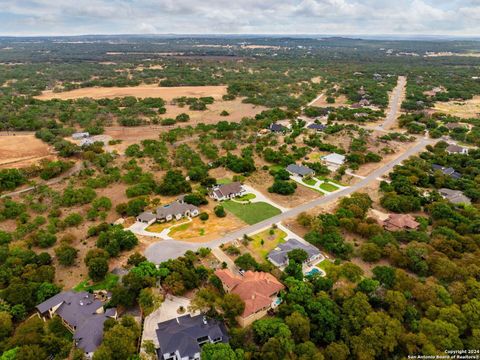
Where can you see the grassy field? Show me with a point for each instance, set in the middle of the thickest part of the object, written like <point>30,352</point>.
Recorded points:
<point>247,197</point>
<point>270,241</point>
<point>310,181</point>
<point>107,284</point>
<point>251,213</point>
<point>224,181</point>
<point>328,187</point>
<point>181,227</point>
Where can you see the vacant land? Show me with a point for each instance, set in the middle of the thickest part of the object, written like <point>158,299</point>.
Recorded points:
<point>265,241</point>
<point>464,109</point>
<point>143,91</point>
<point>339,101</point>
<point>251,213</point>
<point>22,150</point>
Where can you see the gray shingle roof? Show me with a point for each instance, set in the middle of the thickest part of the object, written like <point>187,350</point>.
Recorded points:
<point>299,169</point>
<point>146,216</point>
<point>174,208</point>
<point>454,196</point>
<point>183,333</point>
<point>277,127</point>
<point>447,171</point>
<point>279,255</point>
<point>89,335</point>
<point>228,189</point>
<point>315,126</point>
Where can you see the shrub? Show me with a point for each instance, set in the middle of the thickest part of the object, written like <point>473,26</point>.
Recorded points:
<point>66,254</point>
<point>203,216</point>
<point>220,211</point>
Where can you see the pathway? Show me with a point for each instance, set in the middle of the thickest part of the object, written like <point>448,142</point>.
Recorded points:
<point>395,104</point>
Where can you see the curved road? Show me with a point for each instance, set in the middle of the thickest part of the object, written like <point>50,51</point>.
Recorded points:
<point>168,249</point>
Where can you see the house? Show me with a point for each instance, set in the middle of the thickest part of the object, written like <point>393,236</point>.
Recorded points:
<point>182,338</point>
<point>454,125</point>
<point>455,149</point>
<point>447,171</point>
<point>364,102</point>
<point>175,210</point>
<point>81,313</point>
<point>316,127</point>
<point>80,135</point>
<point>279,255</point>
<point>398,222</point>
<point>300,170</point>
<point>454,196</point>
<point>258,290</point>
<point>86,142</point>
<point>277,128</point>
<point>333,160</point>
<point>227,191</point>
<point>147,217</point>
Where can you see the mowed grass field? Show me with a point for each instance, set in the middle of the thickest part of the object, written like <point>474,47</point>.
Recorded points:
<point>251,213</point>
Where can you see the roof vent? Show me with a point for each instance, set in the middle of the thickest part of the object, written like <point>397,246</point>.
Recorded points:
<point>205,320</point>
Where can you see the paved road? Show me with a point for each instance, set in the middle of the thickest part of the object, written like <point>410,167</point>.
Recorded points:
<point>167,249</point>
<point>395,103</point>
<point>75,169</point>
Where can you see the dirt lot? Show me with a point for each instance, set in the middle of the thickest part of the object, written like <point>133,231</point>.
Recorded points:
<point>262,180</point>
<point>463,109</point>
<point>143,91</point>
<point>339,101</point>
<point>22,150</point>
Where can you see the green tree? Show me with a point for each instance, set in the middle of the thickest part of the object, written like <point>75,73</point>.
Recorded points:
<point>232,306</point>
<point>97,268</point>
<point>299,325</point>
<point>6,325</point>
<point>219,351</point>
<point>66,254</point>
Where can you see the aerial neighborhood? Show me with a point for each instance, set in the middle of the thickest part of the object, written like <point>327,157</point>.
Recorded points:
<point>238,197</point>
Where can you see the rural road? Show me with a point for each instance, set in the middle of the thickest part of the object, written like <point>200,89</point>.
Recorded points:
<point>75,169</point>
<point>395,103</point>
<point>168,249</point>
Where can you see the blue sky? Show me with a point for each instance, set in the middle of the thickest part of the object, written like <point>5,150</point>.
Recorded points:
<point>402,17</point>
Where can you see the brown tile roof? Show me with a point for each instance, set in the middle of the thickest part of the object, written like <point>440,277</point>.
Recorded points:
<point>254,288</point>
<point>400,222</point>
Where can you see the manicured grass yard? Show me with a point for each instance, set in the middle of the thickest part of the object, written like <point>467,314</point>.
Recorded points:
<point>310,181</point>
<point>224,181</point>
<point>251,213</point>
<point>329,180</point>
<point>325,265</point>
<point>246,197</point>
<point>107,284</point>
<point>181,227</point>
<point>328,187</point>
<point>270,241</point>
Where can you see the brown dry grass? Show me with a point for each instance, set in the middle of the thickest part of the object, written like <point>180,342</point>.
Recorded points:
<point>143,91</point>
<point>22,150</point>
<point>463,109</point>
<point>339,101</point>
<point>262,180</point>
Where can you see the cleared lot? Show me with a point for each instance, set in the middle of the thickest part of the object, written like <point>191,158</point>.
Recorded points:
<point>22,150</point>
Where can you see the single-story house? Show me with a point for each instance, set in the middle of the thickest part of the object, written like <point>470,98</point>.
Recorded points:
<point>398,222</point>
<point>227,191</point>
<point>447,171</point>
<point>454,196</point>
<point>258,290</point>
<point>86,142</point>
<point>454,125</point>
<point>182,338</point>
<point>334,160</point>
<point>279,255</point>
<point>316,127</point>
<point>80,135</point>
<point>81,313</point>
<point>455,149</point>
<point>300,170</point>
<point>277,128</point>
<point>147,217</point>
<point>175,210</point>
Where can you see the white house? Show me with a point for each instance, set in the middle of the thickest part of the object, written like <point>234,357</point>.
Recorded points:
<point>227,191</point>
<point>80,135</point>
<point>175,210</point>
<point>333,160</point>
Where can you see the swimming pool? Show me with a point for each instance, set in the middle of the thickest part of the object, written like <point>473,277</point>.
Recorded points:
<point>277,301</point>
<point>315,271</point>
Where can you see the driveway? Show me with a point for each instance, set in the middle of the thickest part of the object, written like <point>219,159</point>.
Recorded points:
<point>395,103</point>
<point>173,248</point>
<point>220,255</point>
<point>167,311</point>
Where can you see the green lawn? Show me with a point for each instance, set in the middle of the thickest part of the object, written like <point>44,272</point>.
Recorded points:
<point>310,181</point>
<point>328,187</point>
<point>180,227</point>
<point>329,180</point>
<point>270,241</point>
<point>224,181</point>
<point>276,167</point>
<point>107,284</point>
<point>251,213</point>
<point>246,197</point>
<point>326,265</point>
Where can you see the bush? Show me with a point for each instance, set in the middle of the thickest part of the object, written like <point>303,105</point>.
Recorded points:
<point>182,117</point>
<point>97,269</point>
<point>74,219</point>
<point>220,211</point>
<point>370,252</point>
<point>283,187</point>
<point>66,254</point>
<point>203,216</point>
<point>44,239</point>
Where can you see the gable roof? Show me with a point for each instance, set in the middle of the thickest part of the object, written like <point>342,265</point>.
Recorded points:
<point>228,189</point>
<point>280,254</point>
<point>454,148</point>
<point>334,158</point>
<point>454,125</point>
<point>277,127</point>
<point>299,169</point>
<point>146,216</point>
<point>182,334</point>
<point>254,288</point>
<point>454,196</point>
<point>89,335</point>
<point>400,221</point>
<point>447,171</point>
<point>174,208</point>
<point>315,126</point>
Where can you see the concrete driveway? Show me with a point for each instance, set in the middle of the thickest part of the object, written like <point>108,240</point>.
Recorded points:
<point>167,311</point>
